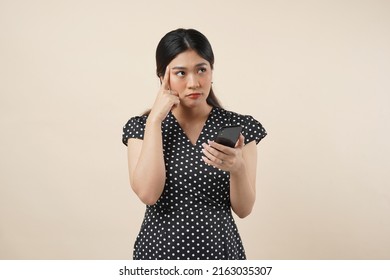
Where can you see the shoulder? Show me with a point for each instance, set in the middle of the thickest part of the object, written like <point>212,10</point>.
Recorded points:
<point>136,121</point>
<point>252,128</point>
<point>134,128</point>
<point>235,118</point>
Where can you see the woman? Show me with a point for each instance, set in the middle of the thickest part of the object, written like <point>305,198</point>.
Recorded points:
<point>188,182</point>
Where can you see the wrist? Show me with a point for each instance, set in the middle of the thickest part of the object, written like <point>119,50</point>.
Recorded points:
<point>153,120</point>
<point>239,170</point>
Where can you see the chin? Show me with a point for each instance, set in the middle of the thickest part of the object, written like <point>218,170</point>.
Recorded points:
<point>194,104</point>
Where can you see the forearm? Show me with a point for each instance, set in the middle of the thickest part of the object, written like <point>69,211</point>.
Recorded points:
<point>241,163</point>
<point>148,179</point>
<point>242,192</point>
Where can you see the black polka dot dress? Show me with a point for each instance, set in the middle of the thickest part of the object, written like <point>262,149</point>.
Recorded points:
<point>192,220</point>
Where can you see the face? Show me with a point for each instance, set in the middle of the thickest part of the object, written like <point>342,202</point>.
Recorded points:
<point>190,76</point>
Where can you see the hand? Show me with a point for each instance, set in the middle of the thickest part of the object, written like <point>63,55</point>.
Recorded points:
<point>165,100</point>
<point>224,157</point>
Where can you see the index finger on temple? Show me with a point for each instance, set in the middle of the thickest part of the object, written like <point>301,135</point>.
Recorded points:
<point>165,82</point>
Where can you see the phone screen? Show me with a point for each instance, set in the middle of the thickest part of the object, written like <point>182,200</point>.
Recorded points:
<point>229,135</point>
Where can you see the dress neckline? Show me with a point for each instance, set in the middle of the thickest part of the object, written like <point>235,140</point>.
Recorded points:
<point>201,132</point>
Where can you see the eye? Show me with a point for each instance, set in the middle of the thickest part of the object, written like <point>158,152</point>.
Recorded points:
<point>202,70</point>
<point>180,73</point>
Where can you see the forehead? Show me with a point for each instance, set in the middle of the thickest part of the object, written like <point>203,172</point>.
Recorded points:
<point>188,59</point>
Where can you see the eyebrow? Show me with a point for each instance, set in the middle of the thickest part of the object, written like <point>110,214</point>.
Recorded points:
<point>197,65</point>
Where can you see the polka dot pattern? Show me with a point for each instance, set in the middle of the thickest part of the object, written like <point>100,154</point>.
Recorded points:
<point>192,219</point>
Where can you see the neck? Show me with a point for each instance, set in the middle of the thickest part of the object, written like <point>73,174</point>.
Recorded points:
<point>191,114</point>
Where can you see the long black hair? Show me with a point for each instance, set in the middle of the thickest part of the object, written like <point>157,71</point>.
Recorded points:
<point>181,40</point>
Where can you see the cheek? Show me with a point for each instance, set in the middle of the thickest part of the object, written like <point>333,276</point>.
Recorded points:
<point>208,78</point>
<point>176,83</point>
<point>206,81</point>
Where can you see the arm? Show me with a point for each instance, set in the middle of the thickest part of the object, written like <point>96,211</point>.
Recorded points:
<point>241,162</point>
<point>145,157</point>
<point>146,164</point>
<point>243,182</point>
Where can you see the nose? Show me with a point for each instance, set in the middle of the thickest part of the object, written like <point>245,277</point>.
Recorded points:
<point>193,82</point>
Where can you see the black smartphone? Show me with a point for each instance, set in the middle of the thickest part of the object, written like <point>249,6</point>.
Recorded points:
<point>228,135</point>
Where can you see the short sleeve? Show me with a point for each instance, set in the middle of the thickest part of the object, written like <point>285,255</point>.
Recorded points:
<point>134,128</point>
<point>252,129</point>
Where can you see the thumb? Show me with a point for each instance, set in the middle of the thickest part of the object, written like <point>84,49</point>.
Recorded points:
<point>240,142</point>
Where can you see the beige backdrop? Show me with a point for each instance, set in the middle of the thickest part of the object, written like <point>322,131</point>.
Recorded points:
<point>315,73</point>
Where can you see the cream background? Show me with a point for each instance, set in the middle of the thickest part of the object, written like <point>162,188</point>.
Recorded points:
<point>315,73</point>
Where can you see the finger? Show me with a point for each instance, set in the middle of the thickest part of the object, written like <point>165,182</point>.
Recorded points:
<point>174,96</point>
<point>212,163</point>
<point>176,101</point>
<point>240,142</point>
<point>174,92</point>
<point>222,148</point>
<point>213,154</point>
<point>211,157</point>
<point>165,82</point>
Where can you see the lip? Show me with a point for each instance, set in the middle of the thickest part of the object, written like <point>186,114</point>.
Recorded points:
<point>194,95</point>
